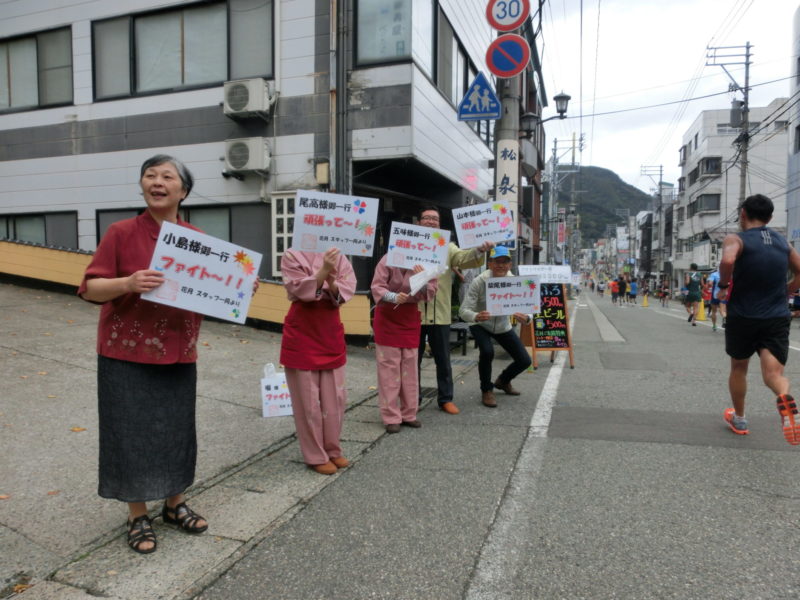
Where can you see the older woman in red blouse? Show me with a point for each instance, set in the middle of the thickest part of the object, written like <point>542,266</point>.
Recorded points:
<point>146,375</point>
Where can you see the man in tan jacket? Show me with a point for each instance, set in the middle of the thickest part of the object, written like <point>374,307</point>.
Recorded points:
<point>436,314</point>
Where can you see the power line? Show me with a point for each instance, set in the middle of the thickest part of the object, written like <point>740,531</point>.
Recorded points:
<point>624,110</point>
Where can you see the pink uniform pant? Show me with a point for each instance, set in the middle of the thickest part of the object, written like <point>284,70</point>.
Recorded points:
<point>318,402</point>
<point>398,388</point>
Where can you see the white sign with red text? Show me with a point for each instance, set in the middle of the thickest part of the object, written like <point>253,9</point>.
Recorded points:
<point>323,220</point>
<point>487,222</point>
<point>509,295</point>
<point>411,245</point>
<point>203,274</point>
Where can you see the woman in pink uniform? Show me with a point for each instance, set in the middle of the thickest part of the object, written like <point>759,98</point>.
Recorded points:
<point>313,351</point>
<point>397,325</point>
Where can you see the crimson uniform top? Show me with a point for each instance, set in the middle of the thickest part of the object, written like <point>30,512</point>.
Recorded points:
<point>313,333</point>
<point>398,325</point>
<point>130,328</point>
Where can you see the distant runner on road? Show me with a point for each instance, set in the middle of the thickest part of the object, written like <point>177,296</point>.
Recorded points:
<point>758,315</point>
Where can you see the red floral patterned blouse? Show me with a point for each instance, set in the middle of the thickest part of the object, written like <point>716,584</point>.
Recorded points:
<point>131,328</point>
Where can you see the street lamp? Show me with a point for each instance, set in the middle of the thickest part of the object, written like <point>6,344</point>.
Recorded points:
<point>529,120</point>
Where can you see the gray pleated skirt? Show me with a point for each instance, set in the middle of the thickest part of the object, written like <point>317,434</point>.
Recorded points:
<point>148,441</point>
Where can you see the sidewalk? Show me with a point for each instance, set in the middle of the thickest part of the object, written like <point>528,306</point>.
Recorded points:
<point>59,536</point>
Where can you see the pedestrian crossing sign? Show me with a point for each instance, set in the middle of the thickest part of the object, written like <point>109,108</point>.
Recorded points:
<point>480,102</point>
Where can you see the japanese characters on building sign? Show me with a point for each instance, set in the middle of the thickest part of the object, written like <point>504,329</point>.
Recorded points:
<point>548,273</point>
<point>411,245</point>
<point>509,295</point>
<point>489,222</point>
<point>324,220</point>
<point>203,274</point>
<point>275,398</point>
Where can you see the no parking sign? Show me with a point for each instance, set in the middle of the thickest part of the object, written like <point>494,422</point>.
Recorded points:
<point>508,55</point>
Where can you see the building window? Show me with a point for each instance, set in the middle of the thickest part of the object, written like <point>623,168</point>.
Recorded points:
<point>59,230</point>
<point>445,42</point>
<point>182,48</point>
<point>797,139</point>
<point>707,203</point>
<point>696,135</point>
<point>711,165</point>
<point>680,214</point>
<point>36,71</point>
<point>693,175</point>
<point>383,30</point>
<point>282,227</point>
<point>682,184</point>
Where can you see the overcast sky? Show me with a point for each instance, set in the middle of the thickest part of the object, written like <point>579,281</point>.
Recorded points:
<point>641,53</point>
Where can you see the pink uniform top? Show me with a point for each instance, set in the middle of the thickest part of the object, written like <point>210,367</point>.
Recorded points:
<point>313,334</point>
<point>397,325</point>
<point>131,328</point>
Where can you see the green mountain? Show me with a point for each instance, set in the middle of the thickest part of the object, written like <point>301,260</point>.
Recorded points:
<point>599,193</point>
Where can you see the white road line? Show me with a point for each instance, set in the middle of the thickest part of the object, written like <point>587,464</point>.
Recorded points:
<point>493,575</point>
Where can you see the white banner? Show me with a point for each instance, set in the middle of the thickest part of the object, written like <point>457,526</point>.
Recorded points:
<point>488,222</point>
<point>548,273</point>
<point>411,245</point>
<point>203,274</point>
<point>323,221</point>
<point>509,295</point>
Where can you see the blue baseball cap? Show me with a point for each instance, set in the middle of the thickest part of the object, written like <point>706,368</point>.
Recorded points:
<point>499,252</point>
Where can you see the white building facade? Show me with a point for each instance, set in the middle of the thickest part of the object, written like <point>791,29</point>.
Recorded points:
<point>709,188</point>
<point>257,97</point>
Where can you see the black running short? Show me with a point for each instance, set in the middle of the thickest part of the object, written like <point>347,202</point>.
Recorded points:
<point>745,336</point>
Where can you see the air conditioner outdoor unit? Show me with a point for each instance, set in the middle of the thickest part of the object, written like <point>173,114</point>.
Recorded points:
<point>247,154</point>
<point>245,97</point>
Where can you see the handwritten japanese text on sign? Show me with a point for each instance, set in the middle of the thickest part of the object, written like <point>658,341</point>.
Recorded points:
<point>411,245</point>
<point>509,295</point>
<point>203,274</point>
<point>276,401</point>
<point>548,273</point>
<point>550,327</point>
<point>325,221</point>
<point>488,222</point>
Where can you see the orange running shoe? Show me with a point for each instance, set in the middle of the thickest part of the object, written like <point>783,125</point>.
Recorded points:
<point>738,425</point>
<point>787,407</point>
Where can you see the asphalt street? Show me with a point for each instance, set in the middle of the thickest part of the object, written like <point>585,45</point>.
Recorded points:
<point>617,479</point>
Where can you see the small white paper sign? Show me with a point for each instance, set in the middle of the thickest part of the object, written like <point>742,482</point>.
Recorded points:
<point>203,274</point>
<point>418,280</point>
<point>276,401</point>
<point>323,220</point>
<point>509,295</point>
<point>487,222</point>
<point>411,245</point>
<point>548,273</point>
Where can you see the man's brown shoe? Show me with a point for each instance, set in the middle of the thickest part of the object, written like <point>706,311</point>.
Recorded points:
<point>507,388</point>
<point>415,424</point>
<point>488,399</point>
<point>450,408</point>
<point>393,428</point>
<point>327,469</point>
<point>340,461</point>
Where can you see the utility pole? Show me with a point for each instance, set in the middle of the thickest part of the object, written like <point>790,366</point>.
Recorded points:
<point>743,140</point>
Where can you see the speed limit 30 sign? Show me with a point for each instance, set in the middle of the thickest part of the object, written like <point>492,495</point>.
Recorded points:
<point>507,15</point>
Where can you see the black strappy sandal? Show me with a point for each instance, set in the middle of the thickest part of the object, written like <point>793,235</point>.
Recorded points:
<point>183,517</point>
<point>140,530</point>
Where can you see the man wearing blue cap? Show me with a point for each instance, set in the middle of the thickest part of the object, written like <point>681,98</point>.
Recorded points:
<point>487,328</point>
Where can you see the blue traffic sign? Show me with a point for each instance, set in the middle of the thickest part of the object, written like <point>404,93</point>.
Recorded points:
<point>508,55</point>
<point>480,102</point>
